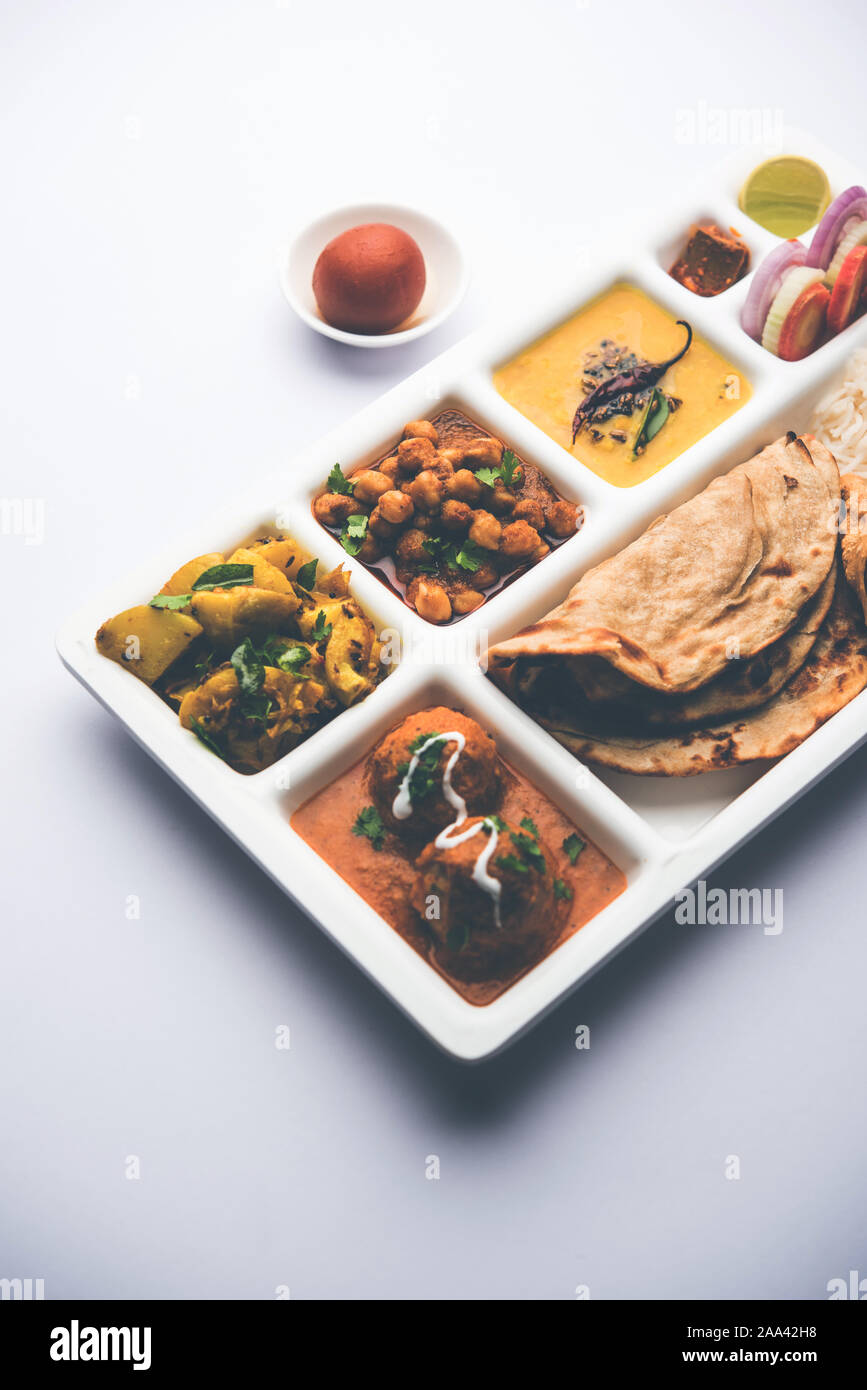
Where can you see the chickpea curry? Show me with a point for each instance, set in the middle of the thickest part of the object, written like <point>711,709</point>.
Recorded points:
<point>498,876</point>
<point>253,651</point>
<point>447,517</point>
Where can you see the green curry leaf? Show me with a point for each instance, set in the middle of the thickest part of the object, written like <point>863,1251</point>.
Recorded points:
<point>249,668</point>
<point>223,577</point>
<point>656,413</point>
<point>170,601</point>
<point>204,737</point>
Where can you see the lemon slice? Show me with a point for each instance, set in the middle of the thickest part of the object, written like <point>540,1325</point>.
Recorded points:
<point>856,237</point>
<point>794,284</point>
<point>786,195</point>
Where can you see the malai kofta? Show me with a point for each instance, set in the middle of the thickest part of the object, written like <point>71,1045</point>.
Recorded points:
<point>623,386</point>
<point>253,651</point>
<point>492,917</point>
<point>478,871</point>
<point>414,774</point>
<point>447,517</point>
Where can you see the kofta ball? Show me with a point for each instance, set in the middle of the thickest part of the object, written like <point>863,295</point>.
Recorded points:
<point>424,808</point>
<point>369,279</point>
<point>477,933</point>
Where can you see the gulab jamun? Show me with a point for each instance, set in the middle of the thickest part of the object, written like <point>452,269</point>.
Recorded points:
<point>369,279</point>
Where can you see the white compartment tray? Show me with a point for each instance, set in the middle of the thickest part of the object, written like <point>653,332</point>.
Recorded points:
<point>663,833</point>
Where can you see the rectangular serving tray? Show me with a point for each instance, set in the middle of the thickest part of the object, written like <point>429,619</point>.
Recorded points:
<point>664,833</point>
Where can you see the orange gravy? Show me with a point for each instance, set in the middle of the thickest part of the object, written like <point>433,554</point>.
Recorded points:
<point>383,878</point>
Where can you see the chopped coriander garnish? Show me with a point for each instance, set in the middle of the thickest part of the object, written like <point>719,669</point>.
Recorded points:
<point>529,849</point>
<point>562,890</point>
<point>273,648</point>
<point>337,482</point>
<point>306,575</point>
<point>497,822</point>
<point>420,740</point>
<point>434,544</point>
<point>353,534</point>
<point>529,854</point>
<point>466,557</point>
<point>573,846</point>
<point>511,861</point>
<point>424,773</point>
<point>504,471</point>
<point>368,824</point>
<point>508,465</point>
<point>293,660</point>
<point>321,630</point>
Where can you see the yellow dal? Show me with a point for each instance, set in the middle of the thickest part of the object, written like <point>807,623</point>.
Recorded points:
<point>545,383</point>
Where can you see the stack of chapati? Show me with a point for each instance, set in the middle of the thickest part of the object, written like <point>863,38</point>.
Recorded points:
<point>726,633</point>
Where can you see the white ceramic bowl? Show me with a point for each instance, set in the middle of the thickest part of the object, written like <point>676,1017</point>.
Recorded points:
<point>444,262</point>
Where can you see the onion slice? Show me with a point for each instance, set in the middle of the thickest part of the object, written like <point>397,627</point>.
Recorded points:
<point>793,286</point>
<point>766,283</point>
<point>854,234</point>
<point>851,203</point>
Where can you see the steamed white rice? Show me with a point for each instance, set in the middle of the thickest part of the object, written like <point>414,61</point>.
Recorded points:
<point>840,418</point>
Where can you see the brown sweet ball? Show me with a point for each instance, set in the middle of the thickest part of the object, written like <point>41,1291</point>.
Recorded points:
<point>369,279</point>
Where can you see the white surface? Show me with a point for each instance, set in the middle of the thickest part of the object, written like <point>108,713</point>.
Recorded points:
<point>445,271</point>
<point>149,366</point>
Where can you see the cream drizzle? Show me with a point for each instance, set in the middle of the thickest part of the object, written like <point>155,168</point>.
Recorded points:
<point>481,878</point>
<point>402,805</point>
<point>402,809</point>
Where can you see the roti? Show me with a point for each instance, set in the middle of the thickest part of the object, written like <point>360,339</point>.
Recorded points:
<point>853,543</point>
<point>835,672</point>
<point>741,686</point>
<point>728,572</point>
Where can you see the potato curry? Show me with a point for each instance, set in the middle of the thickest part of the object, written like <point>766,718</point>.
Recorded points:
<point>253,650</point>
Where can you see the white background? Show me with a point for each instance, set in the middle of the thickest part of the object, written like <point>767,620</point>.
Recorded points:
<point>155,156</point>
